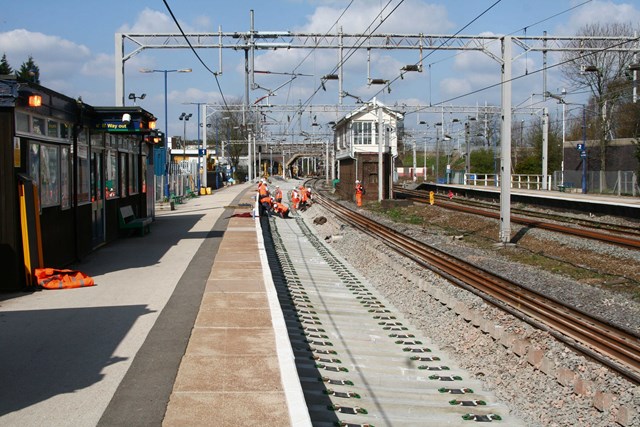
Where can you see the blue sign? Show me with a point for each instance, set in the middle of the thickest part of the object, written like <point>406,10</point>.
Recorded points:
<point>580,147</point>
<point>202,151</point>
<point>583,154</point>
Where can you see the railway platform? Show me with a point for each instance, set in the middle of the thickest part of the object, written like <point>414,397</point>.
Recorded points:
<point>181,329</point>
<point>601,204</point>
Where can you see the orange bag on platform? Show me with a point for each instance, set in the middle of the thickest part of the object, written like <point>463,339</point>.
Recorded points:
<point>51,278</point>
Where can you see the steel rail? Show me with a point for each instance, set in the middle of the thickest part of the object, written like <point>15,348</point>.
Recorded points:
<point>589,234</point>
<point>610,345</point>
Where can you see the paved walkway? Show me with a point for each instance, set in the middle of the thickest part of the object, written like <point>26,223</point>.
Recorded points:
<point>181,329</point>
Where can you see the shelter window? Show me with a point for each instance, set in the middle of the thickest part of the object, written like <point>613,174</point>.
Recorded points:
<point>65,177</point>
<point>49,175</point>
<point>112,174</point>
<point>49,169</point>
<point>133,174</point>
<point>38,125</point>
<point>84,177</point>
<point>123,174</point>
<point>52,128</point>
<point>22,122</point>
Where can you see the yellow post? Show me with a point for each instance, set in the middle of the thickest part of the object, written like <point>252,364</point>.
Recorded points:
<point>432,197</point>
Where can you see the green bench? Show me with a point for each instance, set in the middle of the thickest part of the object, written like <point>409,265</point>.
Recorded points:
<point>567,185</point>
<point>129,221</point>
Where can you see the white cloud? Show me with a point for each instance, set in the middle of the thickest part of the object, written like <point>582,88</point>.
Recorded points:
<point>605,12</point>
<point>453,86</point>
<point>59,60</point>
<point>101,65</point>
<point>154,21</point>
<point>149,21</point>
<point>49,51</point>
<point>413,16</point>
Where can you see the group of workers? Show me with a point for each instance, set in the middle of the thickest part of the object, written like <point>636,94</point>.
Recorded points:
<point>271,203</point>
<point>301,198</point>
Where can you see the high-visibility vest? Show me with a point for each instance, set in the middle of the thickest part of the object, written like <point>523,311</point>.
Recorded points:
<point>279,207</point>
<point>51,278</point>
<point>265,199</point>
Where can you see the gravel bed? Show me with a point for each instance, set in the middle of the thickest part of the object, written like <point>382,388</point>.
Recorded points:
<point>531,394</point>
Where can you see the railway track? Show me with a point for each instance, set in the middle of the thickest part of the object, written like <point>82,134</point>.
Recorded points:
<point>486,210</point>
<point>360,362</point>
<point>614,347</point>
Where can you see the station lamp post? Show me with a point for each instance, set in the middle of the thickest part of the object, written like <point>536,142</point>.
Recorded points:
<point>437,126</point>
<point>560,99</point>
<point>185,118</point>
<point>200,124</point>
<point>133,97</point>
<point>166,125</point>
<point>467,140</point>
<point>424,171</point>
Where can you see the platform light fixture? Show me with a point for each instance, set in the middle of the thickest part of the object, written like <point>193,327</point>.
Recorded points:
<point>378,81</point>
<point>133,97</point>
<point>35,101</point>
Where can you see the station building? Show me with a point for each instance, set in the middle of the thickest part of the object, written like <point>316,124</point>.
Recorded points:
<point>66,170</point>
<point>360,138</point>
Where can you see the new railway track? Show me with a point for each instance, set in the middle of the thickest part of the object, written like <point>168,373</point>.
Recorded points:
<point>360,361</point>
<point>617,348</point>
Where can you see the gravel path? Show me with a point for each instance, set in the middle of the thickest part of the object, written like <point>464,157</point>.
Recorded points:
<point>600,399</point>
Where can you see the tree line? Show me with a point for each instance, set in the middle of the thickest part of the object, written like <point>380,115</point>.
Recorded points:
<point>29,70</point>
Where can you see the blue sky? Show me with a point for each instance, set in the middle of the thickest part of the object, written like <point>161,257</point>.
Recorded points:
<point>72,41</point>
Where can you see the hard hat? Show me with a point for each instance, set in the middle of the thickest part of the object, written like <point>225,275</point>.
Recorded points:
<point>357,182</point>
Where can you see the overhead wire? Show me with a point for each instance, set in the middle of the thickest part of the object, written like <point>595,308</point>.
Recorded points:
<point>445,42</point>
<point>317,44</point>
<point>215,74</point>
<point>353,50</point>
<point>555,15</point>
<point>533,72</point>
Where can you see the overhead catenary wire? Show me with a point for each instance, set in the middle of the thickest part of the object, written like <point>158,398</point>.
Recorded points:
<point>353,50</point>
<point>444,42</point>
<point>585,55</point>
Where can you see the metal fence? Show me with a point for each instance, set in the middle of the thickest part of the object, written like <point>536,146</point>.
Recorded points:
<point>621,183</point>
<point>182,181</point>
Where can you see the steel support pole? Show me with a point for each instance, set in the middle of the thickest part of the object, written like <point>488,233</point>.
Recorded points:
<point>381,133</point>
<point>583,153</point>
<point>564,108</point>
<point>166,139</point>
<point>505,141</point>
<point>545,146</point>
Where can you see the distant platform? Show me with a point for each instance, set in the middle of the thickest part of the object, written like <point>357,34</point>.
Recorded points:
<point>597,204</point>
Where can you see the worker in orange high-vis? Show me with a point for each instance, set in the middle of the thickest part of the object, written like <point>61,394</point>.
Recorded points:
<point>278,194</point>
<point>359,193</point>
<point>281,209</point>
<point>263,189</point>
<point>309,197</point>
<point>265,205</point>
<point>303,197</point>
<point>295,199</point>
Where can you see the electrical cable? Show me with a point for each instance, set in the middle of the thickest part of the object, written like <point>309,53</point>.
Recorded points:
<point>353,50</point>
